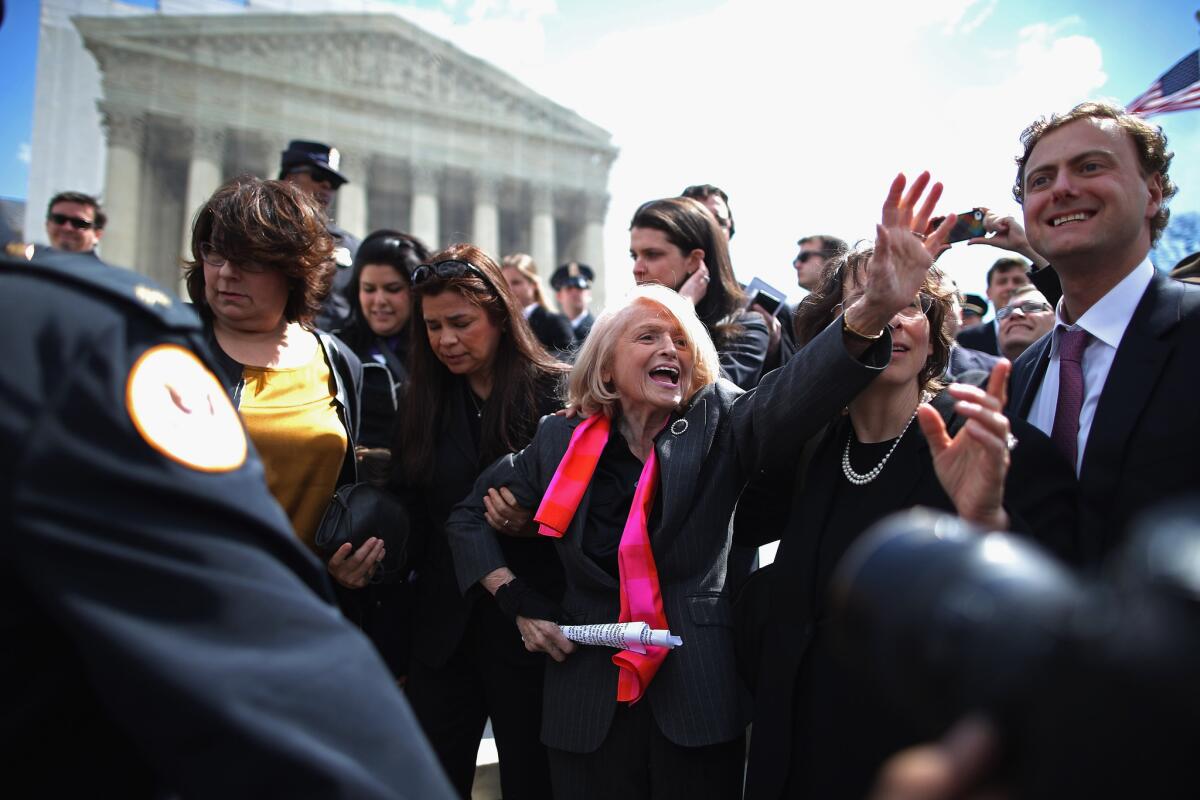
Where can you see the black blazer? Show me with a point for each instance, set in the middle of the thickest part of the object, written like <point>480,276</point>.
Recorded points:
<point>1040,500</point>
<point>696,695</point>
<point>981,337</point>
<point>553,331</point>
<point>1146,433</point>
<point>743,354</point>
<point>442,611</point>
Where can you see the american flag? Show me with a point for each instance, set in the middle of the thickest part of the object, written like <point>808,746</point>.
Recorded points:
<point>1177,90</point>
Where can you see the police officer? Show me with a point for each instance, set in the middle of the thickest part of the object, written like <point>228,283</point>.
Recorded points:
<point>313,167</point>
<point>164,632</point>
<point>572,285</point>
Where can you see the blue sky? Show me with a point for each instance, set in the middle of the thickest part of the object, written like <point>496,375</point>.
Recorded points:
<point>802,112</point>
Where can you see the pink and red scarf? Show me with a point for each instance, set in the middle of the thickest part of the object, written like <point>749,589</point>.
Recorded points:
<point>641,600</point>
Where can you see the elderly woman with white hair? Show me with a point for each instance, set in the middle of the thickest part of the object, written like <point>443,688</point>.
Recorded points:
<point>638,489</point>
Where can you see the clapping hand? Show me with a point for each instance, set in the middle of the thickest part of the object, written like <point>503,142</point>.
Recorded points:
<point>973,464</point>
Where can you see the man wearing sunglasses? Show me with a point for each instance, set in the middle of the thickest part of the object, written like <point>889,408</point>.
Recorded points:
<point>313,167</point>
<point>74,222</point>
<point>815,252</point>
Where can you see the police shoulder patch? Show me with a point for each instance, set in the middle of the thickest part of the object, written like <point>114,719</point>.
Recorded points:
<point>180,409</point>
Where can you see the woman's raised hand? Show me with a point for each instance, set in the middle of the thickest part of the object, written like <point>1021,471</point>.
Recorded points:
<point>354,569</point>
<point>696,286</point>
<point>901,260</point>
<point>973,464</point>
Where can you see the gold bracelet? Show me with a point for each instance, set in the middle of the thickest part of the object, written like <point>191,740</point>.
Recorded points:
<point>857,334</point>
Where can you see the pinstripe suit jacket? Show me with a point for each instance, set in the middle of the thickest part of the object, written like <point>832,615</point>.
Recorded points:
<point>696,694</point>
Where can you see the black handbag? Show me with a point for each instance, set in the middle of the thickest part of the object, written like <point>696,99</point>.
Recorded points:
<point>359,511</point>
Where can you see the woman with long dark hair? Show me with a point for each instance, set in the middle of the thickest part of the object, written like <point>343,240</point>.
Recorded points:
<point>380,293</point>
<point>479,382</point>
<point>676,242</point>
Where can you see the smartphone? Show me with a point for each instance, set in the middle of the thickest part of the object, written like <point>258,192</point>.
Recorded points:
<point>765,295</point>
<point>770,302</point>
<point>968,226</point>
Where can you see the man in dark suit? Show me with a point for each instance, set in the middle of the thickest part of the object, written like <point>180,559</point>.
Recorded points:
<point>1111,383</point>
<point>1002,278</point>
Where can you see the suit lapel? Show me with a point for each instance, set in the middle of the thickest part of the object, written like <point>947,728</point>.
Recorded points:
<point>1027,376</point>
<point>1135,370</point>
<point>681,451</point>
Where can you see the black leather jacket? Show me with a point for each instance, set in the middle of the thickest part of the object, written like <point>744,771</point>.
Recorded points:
<point>347,377</point>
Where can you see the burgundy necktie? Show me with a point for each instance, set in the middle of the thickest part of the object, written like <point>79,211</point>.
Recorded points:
<point>1065,433</point>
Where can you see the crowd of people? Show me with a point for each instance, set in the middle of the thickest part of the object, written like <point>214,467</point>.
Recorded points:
<point>570,468</point>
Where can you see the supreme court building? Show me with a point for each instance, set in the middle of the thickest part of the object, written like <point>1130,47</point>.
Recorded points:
<point>435,142</point>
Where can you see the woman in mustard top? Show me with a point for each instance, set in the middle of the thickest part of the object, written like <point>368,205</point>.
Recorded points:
<point>261,262</point>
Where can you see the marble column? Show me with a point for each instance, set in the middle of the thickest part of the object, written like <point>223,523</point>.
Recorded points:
<point>485,230</point>
<point>203,176</point>
<point>126,134</point>
<point>424,224</point>
<point>541,232</point>
<point>592,246</point>
<point>352,196</point>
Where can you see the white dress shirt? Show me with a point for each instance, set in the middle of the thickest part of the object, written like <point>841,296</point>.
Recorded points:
<point>529,309</point>
<point>1106,321</point>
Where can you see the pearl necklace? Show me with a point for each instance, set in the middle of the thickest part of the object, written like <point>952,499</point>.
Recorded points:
<point>863,480</point>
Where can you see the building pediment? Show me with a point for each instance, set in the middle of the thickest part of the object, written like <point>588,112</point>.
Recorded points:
<point>377,57</point>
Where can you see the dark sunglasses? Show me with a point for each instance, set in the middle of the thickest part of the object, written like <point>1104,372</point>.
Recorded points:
<point>317,175</point>
<point>77,223</point>
<point>446,270</point>
<point>804,257</point>
<point>1028,307</point>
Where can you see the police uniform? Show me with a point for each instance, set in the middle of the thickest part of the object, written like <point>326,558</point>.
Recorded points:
<point>335,309</point>
<point>575,274</point>
<point>164,632</point>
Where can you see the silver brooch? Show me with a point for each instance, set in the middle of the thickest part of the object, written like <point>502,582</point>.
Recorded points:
<point>679,426</point>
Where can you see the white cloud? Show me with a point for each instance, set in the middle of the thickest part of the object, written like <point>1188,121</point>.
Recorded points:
<point>805,128</point>
<point>802,112</point>
<point>24,153</point>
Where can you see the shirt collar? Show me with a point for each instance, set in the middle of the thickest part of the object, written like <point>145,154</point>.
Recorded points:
<point>529,309</point>
<point>1110,316</point>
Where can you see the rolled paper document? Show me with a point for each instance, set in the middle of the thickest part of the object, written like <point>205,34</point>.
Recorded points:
<point>625,635</point>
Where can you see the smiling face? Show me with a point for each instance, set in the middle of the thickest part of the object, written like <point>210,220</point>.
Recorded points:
<point>67,236</point>
<point>657,260</point>
<point>247,297</point>
<point>461,334</point>
<point>651,364</point>
<point>910,339</point>
<point>384,297</point>
<point>1023,324</point>
<point>1086,201</point>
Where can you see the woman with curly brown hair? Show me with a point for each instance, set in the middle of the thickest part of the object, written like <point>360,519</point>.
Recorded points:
<point>479,382</point>
<point>261,264</point>
<point>906,440</point>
